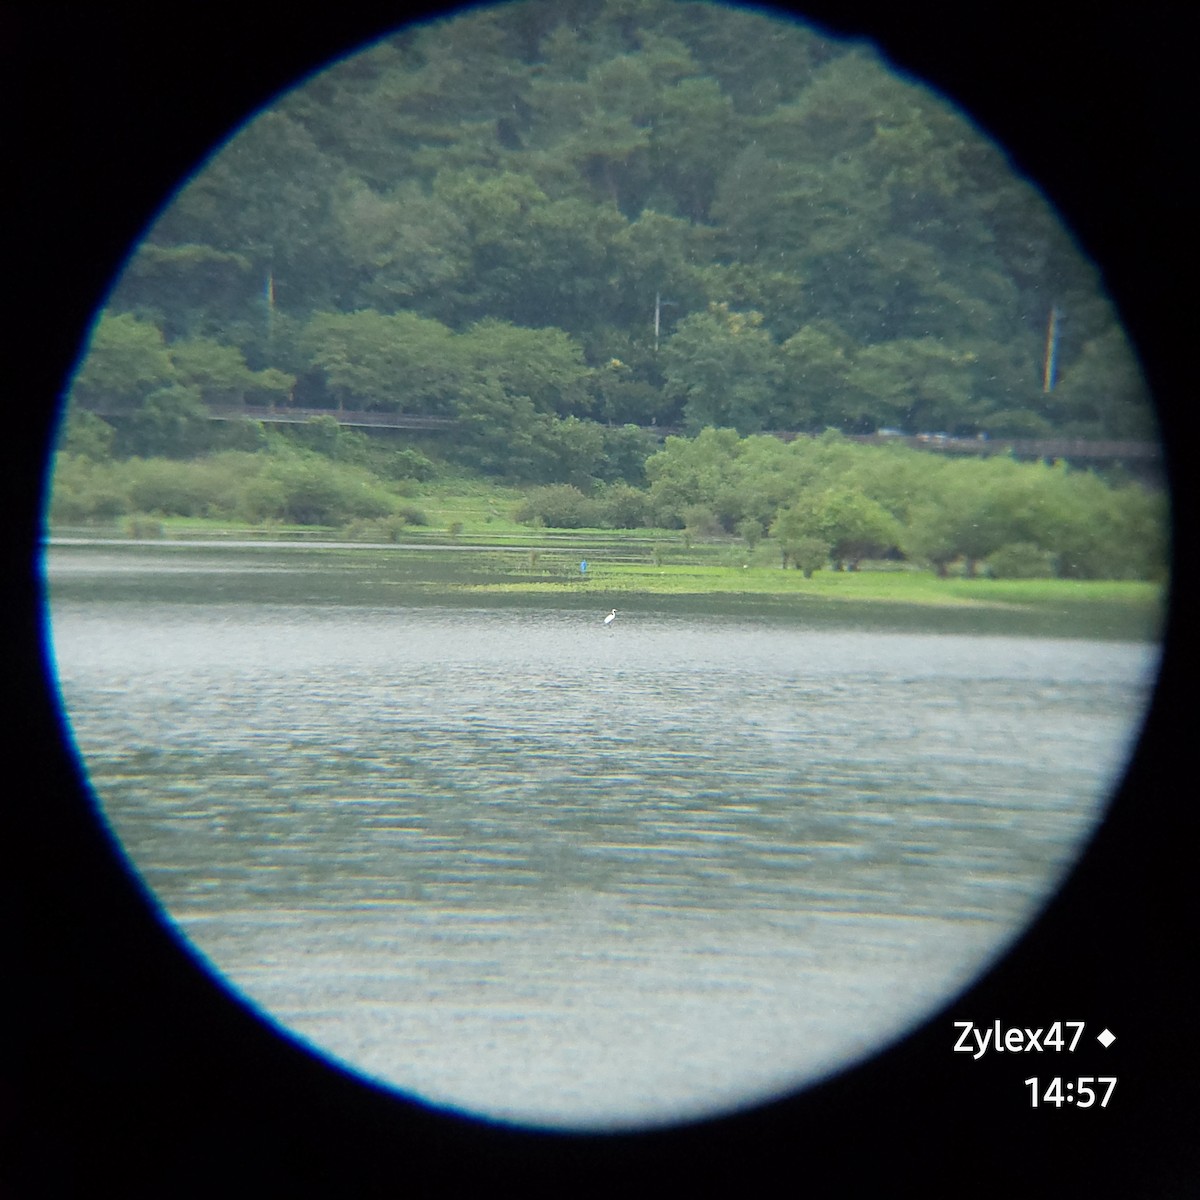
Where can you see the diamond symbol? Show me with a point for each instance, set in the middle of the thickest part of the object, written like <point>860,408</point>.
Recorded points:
<point>1106,1039</point>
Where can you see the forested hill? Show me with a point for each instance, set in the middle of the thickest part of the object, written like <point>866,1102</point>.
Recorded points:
<point>622,211</point>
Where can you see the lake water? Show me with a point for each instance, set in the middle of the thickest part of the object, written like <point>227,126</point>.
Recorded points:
<point>508,860</point>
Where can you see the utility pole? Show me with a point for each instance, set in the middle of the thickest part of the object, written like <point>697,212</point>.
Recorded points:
<point>659,302</point>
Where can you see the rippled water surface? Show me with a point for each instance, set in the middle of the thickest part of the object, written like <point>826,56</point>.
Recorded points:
<point>510,860</point>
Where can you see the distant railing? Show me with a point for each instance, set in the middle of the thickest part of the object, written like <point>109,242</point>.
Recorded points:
<point>300,416</point>
<point>1021,447</point>
<point>1029,448</point>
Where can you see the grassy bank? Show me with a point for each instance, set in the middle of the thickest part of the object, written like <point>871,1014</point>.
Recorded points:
<point>501,562</point>
<point>907,587</point>
<point>1107,609</point>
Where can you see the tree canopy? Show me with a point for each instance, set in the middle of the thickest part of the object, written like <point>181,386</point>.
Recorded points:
<point>619,211</point>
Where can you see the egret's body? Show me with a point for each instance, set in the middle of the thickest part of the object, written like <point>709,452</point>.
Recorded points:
<point>612,616</point>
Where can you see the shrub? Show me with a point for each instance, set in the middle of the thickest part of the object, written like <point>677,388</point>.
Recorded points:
<point>81,490</point>
<point>388,529</point>
<point>261,498</point>
<point>170,421</point>
<point>310,490</point>
<point>560,506</point>
<point>411,515</point>
<point>1021,560</point>
<point>86,434</point>
<point>321,433</point>
<point>409,464</point>
<point>246,436</point>
<point>808,553</point>
<point>700,521</point>
<point>181,489</point>
<point>751,531</point>
<point>623,507</point>
<point>143,527</point>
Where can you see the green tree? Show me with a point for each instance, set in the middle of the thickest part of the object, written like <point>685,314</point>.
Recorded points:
<point>758,484</point>
<point>398,363</point>
<point>976,508</point>
<point>221,376</point>
<point>401,247</point>
<point>512,384</point>
<point>623,398</point>
<point>849,525</point>
<point>691,471</point>
<point>817,362</point>
<point>534,259</point>
<point>657,254</point>
<point>85,434</point>
<point>626,449</point>
<point>125,361</point>
<point>919,384</point>
<point>602,126</point>
<point>725,369</point>
<point>194,289</point>
<point>1103,392</point>
<point>809,554</point>
<point>694,120</point>
<point>1101,532</point>
<point>757,65</point>
<point>499,433</point>
<point>545,365</point>
<point>266,197</point>
<point>573,451</point>
<point>796,530</point>
<point>556,167</point>
<point>171,421</point>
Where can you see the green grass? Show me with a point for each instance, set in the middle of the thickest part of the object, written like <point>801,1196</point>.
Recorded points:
<point>901,599</point>
<point>906,587</point>
<point>474,507</point>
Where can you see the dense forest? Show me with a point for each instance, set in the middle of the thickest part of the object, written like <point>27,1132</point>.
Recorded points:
<point>624,211</point>
<point>561,225</point>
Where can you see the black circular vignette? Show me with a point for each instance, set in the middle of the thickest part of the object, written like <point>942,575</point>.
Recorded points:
<point>133,1068</point>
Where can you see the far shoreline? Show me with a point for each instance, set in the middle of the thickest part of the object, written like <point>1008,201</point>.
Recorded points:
<point>624,571</point>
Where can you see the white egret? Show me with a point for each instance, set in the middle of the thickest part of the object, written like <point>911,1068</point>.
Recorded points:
<point>612,616</point>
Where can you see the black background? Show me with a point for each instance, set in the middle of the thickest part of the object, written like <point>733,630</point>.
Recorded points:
<point>126,1067</point>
